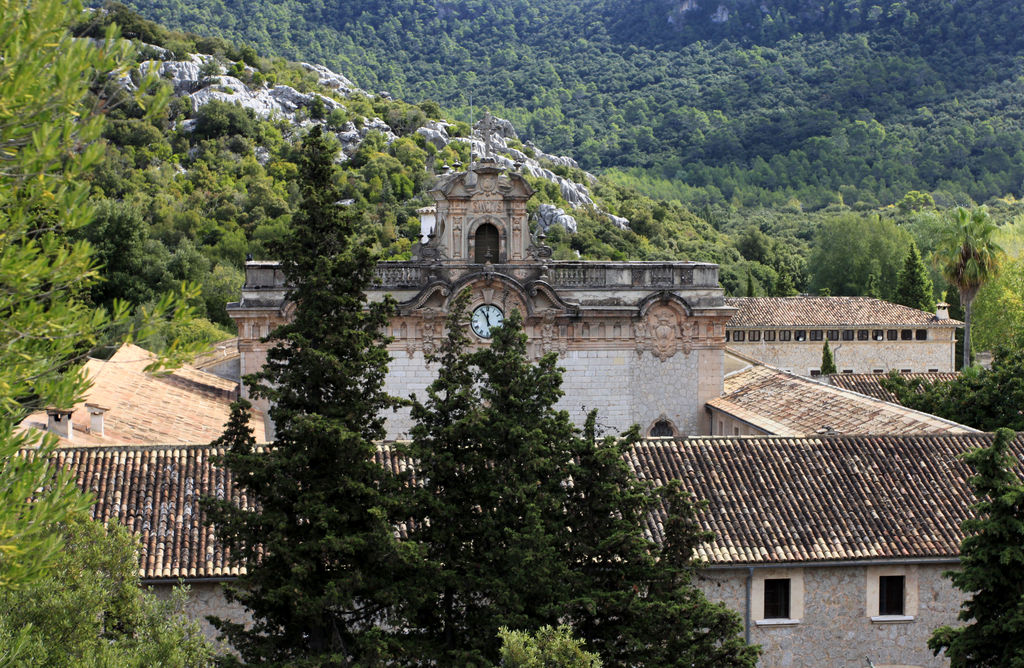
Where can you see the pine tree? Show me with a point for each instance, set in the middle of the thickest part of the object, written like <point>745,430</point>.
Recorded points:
<point>914,287</point>
<point>318,539</point>
<point>990,565</point>
<point>828,363</point>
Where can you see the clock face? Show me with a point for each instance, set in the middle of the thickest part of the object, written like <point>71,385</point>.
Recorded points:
<point>485,318</point>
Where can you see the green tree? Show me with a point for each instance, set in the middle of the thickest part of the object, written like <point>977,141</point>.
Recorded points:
<point>991,560</point>
<point>92,611</point>
<point>850,249</point>
<point>49,142</point>
<point>828,362</point>
<point>494,458</point>
<point>492,454</point>
<point>547,648</point>
<point>980,398</point>
<point>633,600</point>
<point>914,286</point>
<point>318,542</point>
<point>968,255</point>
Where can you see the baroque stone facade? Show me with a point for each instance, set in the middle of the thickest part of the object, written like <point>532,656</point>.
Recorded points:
<point>642,342</point>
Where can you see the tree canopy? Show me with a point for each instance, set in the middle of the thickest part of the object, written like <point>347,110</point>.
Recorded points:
<point>318,542</point>
<point>990,560</point>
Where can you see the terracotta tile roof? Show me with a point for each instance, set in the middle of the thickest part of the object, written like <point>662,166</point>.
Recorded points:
<point>185,405</point>
<point>770,499</point>
<point>810,311</point>
<point>154,491</point>
<point>777,499</point>
<point>871,385</point>
<point>786,404</point>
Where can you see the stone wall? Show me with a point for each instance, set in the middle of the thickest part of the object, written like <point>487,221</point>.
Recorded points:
<point>934,354</point>
<point>835,629</point>
<point>832,625</point>
<point>625,386</point>
<point>204,599</point>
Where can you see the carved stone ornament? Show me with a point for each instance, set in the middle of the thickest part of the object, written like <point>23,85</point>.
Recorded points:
<point>429,330</point>
<point>549,334</point>
<point>663,334</point>
<point>661,323</point>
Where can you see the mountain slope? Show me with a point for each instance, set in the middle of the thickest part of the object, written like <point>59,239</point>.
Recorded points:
<point>846,101</point>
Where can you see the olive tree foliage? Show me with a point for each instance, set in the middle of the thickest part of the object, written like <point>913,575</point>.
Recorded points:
<point>549,647</point>
<point>50,128</point>
<point>89,610</point>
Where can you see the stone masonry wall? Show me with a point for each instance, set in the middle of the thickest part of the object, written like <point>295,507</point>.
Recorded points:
<point>858,356</point>
<point>835,629</point>
<point>206,598</point>
<point>624,386</point>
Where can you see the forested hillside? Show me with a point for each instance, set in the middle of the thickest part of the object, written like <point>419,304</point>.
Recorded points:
<point>189,192</point>
<point>738,102</point>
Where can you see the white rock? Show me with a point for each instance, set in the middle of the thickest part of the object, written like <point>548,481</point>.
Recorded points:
<point>548,215</point>
<point>618,221</point>
<point>333,80</point>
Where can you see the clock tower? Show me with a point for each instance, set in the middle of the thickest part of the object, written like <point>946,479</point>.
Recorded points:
<point>642,342</point>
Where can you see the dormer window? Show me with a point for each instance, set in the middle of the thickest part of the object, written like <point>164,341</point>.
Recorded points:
<point>486,244</point>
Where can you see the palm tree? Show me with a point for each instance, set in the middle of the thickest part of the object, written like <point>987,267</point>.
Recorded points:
<point>967,256</point>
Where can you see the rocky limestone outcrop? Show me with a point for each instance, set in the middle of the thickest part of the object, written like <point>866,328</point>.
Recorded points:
<point>435,132</point>
<point>352,137</point>
<point>548,215</point>
<point>333,80</point>
<point>202,78</point>
<point>618,221</point>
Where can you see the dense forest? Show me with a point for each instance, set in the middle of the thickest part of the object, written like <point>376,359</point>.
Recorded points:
<point>736,102</point>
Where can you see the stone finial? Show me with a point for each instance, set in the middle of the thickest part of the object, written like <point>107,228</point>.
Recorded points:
<point>58,421</point>
<point>942,311</point>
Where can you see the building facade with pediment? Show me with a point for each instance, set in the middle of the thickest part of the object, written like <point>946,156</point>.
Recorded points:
<point>642,342</point>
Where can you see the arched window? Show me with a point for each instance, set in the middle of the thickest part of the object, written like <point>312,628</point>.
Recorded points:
<point>662,428</point>
<point>486,249</point>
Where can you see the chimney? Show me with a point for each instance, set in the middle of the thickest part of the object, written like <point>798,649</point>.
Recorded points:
<point>58,422</point>
<point>942,311</point>
<point>96,418</point>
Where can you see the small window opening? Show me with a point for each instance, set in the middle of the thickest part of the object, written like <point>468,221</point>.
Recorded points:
<point>776,598</point>
<point>486,248</point>
<point>890,595</point>
<point>769,335</point>
<point>662,428</point>
<point>921,335</point>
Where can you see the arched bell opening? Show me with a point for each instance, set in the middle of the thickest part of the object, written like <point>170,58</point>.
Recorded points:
<point>486,244</point>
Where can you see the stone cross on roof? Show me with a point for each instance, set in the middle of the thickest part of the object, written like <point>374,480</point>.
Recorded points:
<point>487,126</point>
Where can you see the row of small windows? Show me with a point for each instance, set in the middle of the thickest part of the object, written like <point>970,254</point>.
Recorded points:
<point>740,336</point>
